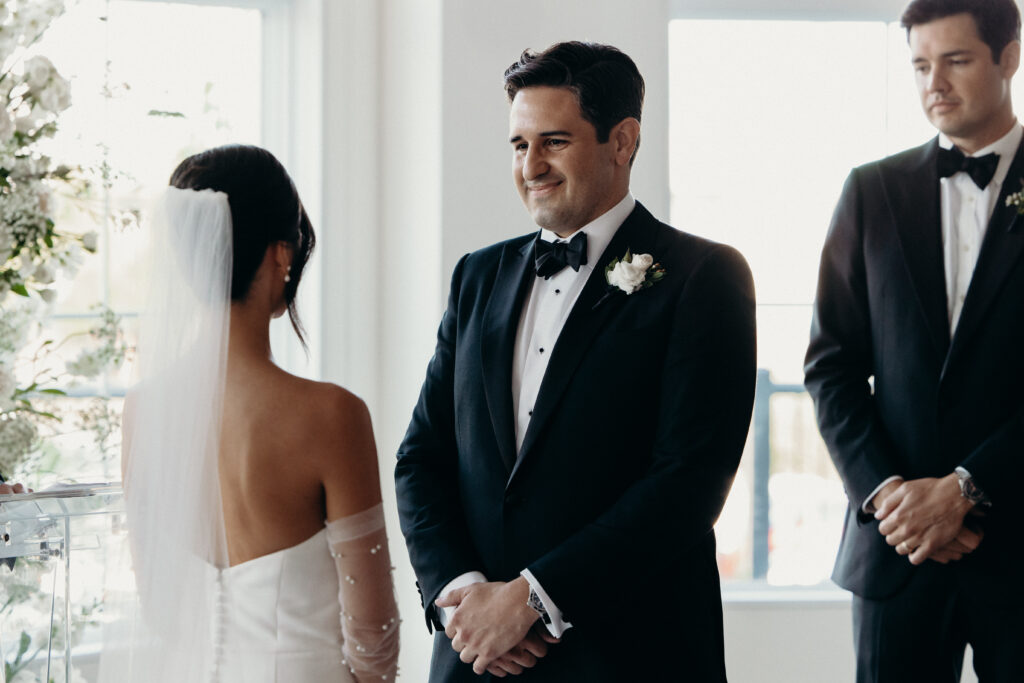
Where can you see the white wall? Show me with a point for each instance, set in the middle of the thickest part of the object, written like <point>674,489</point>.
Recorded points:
<point>791,641</point>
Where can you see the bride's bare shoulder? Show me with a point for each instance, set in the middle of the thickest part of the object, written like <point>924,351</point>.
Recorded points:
<point>329,411</point>
<point>342,448</point>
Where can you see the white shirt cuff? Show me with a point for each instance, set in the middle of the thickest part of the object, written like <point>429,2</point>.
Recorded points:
<point>866,506</point>
<point>558,625</point>
<point>460,581</point>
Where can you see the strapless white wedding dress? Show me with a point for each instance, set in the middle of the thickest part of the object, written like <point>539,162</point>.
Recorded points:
<point>277,618</point>
<point>320,610</point>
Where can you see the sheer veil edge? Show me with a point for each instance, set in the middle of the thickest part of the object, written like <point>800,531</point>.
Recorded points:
<point>161,602</point>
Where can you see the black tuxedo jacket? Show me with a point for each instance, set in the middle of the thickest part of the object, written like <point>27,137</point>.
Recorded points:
<point>936,402</point>
<point>633,443</point>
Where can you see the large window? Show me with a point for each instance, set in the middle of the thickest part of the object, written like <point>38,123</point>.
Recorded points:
<point>767,119</point>
<point>152,82</point>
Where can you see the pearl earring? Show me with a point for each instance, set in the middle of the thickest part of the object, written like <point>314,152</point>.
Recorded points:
<point>287,274</point>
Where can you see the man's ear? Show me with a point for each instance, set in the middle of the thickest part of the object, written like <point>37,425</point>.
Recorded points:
<point>625,136</point>
<point>1009,61</point>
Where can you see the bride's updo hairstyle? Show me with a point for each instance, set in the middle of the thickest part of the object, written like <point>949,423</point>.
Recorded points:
<point>265,208</point>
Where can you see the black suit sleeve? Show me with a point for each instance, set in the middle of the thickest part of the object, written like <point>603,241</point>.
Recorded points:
<point>839,361</point>
<point>704,412</point>
<point>426,476</point>
<point>997,465</point>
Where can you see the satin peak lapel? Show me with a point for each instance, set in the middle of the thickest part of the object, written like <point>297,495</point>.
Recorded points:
<point>912,193</point>
<point>584,323</point>
<point>1000,252</point>
<point>501,318</point>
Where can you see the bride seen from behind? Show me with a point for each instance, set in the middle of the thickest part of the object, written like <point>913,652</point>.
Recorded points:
<point>232,465</point>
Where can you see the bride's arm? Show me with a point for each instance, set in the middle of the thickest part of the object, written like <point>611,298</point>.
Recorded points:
<point>359,545</point>
<point>369,615</point>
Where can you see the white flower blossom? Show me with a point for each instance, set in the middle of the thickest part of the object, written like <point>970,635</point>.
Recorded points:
<point>8,43</point>
<point>26,266</point>
<point>629,276</point>
<point>14,327</point>
<point>8,384</point>
<point>45,274</point>
<point>32,18</point>
<point>24,124</point>
<point>49,295</point>
<point>91,241</point>
<point>6,241</point>
<point>6,123</point>
<point>38,72</point>
<point>55,97</point>
<point>18,437</point>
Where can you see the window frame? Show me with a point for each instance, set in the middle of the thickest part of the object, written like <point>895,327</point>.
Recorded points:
<point>757,590</point>
<point>290,86</point>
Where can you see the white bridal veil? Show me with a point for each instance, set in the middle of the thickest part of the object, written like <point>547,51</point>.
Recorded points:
<point>161,619</point>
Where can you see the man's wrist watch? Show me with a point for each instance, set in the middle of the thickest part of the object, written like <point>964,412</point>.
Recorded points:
<point>537,605</point>
<point>970,490</point>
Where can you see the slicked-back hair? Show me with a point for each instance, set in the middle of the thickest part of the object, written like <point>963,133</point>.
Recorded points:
<point>605,81</point>
<point>998,21</point>
<point>265,208</point>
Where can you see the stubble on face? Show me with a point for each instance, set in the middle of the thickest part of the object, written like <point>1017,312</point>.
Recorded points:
<point>565,177</point>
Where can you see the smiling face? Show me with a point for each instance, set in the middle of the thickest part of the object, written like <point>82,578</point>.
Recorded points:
<point>565,177</point>
<point>963,92</point>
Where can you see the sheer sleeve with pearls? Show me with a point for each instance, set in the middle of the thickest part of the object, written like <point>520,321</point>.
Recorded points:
<point>369,614</point>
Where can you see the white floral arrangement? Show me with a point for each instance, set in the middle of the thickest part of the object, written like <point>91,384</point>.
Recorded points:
<point>32,96</point>
<point>34,252</point>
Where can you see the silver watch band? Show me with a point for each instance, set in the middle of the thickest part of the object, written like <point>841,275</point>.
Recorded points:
<point>970,490</point>
<point>537,605</point>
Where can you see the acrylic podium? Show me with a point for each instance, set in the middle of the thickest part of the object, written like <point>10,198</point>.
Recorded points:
<point>52,579</point>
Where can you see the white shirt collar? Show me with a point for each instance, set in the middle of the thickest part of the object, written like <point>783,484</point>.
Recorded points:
<point>1006,147</point>
<point>599,231</point>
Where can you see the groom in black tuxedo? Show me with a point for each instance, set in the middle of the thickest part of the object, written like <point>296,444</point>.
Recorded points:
<point>921,288</point>
<point>580,424</point>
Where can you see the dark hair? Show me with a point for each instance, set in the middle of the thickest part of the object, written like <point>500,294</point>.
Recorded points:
<point>998,21</point>
<point>606,82</point>
<point>265,208</point>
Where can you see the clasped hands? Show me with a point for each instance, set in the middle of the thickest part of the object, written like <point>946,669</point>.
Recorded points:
<point>925,519</point>
<point>494,629</point>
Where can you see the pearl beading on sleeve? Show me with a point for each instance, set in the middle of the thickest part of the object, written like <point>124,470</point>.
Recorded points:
<point>368,611</point>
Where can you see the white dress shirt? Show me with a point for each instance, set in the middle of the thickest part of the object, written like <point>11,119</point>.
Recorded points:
<point>545,311</point>
<point>965,212</point>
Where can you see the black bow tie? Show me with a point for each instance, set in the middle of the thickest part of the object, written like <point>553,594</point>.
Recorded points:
<point>552,257</point>
<point>981,169</point>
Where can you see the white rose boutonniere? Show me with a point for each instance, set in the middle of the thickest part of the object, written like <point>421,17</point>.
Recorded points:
<point>633,272</point>
<point>1016,199</point>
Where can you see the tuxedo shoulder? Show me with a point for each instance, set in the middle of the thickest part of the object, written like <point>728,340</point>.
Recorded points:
<point>907,160</point>
<point>693,250</point>
<point>492,253</point>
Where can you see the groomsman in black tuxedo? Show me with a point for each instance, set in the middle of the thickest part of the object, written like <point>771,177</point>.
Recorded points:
<point>584,412</point>
<point>916,365</point>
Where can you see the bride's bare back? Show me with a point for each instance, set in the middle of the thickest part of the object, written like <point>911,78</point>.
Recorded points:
<point>294,453</point>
